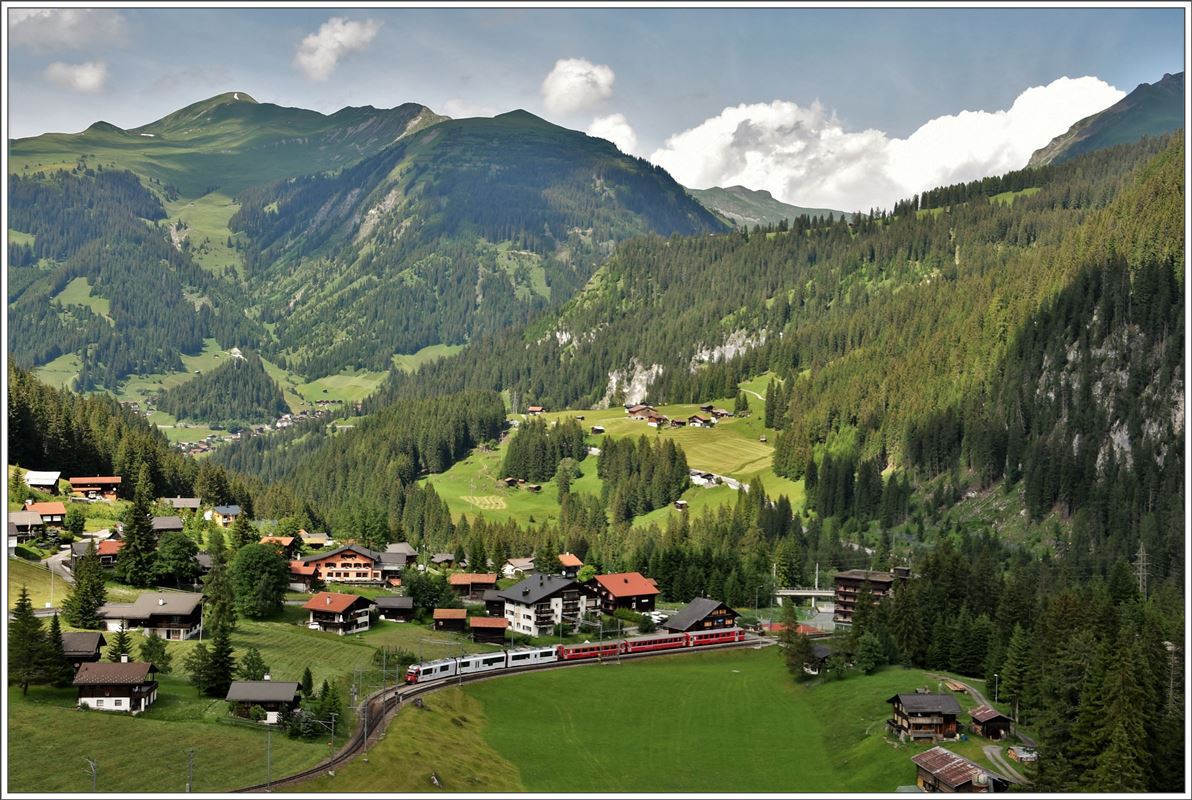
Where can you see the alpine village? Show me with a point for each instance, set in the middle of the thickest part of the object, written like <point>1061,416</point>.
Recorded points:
<point>456,450</point>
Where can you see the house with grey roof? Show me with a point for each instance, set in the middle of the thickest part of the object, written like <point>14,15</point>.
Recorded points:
<point>25,525</point>
<point>120,686</point>
<point>274,697</point>
<point>540,602</point>
<point>923,715</point>
<point>702,613</point>
<point>182,503</point>
<point>83,647</point>
<point>166,524</point>
<point>43,480</point>
<point>172,615</point>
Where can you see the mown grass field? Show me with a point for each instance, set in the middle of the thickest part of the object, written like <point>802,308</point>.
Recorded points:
<point>36,578</point>
<point>78,293</point>
<point>206,220</point>
<point>61,372</point>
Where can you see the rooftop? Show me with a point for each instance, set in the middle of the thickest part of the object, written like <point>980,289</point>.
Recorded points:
<point>570,560</point>
<point>627,584</point>
<point>152,603</point>
<point>692,613</point>
<point>335,602</point>
<point>395,602</point>
<point>172,523</point>
<point>103,673</point>
<point>488,622</point>
<point>97,480</point>
<point>468,578</point>
<point>916,703</point>
<point>262,692</point>
<point>952,769</point>
<point>451,613</point>
<point>82,643</point>
<point>42,478</point>
<point>537,588</point>
<point>47,509</point>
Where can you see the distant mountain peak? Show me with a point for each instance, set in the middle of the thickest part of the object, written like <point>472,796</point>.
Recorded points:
<point>745,206</point>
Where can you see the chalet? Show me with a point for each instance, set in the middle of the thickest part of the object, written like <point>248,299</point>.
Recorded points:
<point>494,604</point>
<point>182,503</point>
<point>338,613</point>
<point>26,525</point>
<point>700,478</point>
<point>205,562</point>
<point>533,487</point>
<point>108,550</point>
<point>654,419</point>
<point>223,516</point>
<point>405,548</point>
<point>696,421</point>
<point>314,541</point>
<point>720,413</point>
<point>451,619</point>
<point>172,615</point>
<point>857,585</point>
<point>597,429</point>
<point>472,584</point>
<point>444,560</point>
<point>509,482</point>
<point>166,525</point>
<point>43,481</point>
<point>396,609</point>
<point>570,564</point>
<point>83,647</point>
<point>639,411</point>
<point>303,577</point>
<point>924,716</point>
<point>535,410</point>
<point>989,722</point>
<point>287,546</point>
<point>706,408</point>
<point>678,422</point>
<point>351,563</point>
<point>542,601</point>
<point>99,487</point>
<point>820,653</point>
<point>701,614</point>
<point>515,566</point>
<point>490,630</point>
<point>119,686</point>
<point>681,505</point>
<point>941,770</point>
<point>53,514</point>
<point>630,590</point>
<point>392,566</point>
<point>276,698</point>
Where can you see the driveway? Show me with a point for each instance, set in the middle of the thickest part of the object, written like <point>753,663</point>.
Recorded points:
<point>994,753</point>
<point>59,565</point>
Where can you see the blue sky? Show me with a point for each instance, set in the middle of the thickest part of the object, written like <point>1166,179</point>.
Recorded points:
<point>639,77</point>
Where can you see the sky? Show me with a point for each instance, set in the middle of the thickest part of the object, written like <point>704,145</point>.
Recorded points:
<point>845,108</point>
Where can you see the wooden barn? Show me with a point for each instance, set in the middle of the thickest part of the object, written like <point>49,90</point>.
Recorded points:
<point>941,770</point>
<point>451,619</point>
<point>924,716</point>
<point>990,723</point>
<point>488,629</point>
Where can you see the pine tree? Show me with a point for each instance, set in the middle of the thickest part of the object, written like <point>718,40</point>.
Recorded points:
<point>198,666</point>
<point>242,533</point>
<point>220,604</point>
<point>1122,766</point>
<point>252,666</point>
<point>1015,669</point>
<point>221,664</point>
<point>58,671</point>
<point>121,645</point>
<point>26,644</point>
<point>308,682</point>
<point>870,654</point>
<point>154,651</point>
<point>137,555</point>
<point>18,490</point>
<point>81,607</point>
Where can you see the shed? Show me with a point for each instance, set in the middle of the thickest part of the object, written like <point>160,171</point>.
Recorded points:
<point>941,770</point>
<point>700,614</point>
<point>43,480</point>
<point>989,722</point>
<point>450,619</point>
<point>488,629</point>
<point>396,609</point>
<point>274,697</point>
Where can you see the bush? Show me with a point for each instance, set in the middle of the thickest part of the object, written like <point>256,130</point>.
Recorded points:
<point>257,714</point>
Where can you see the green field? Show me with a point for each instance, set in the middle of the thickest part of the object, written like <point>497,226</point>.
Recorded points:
<point>37,579</point>
<point>349,387</point>
<point>61,372</point>
<point>78,293</point>
<point>20,237</point>
<point>413,361</point>
<point>206,228</point>
<point>1007,198</point>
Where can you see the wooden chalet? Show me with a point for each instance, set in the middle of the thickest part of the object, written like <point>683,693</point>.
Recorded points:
<point>856,586</point>
<point>83,647</point>
<point>43,480</point>
<point>120,686</point>
<point>172,615</point>
<point>941,770</point>
<point>53,514</point>
<point>924,716</point>
<point>443,560</point>
<point>629,590</point>
<point>182,503</point>
<point>820,654</point>
<point>720,413</point>
<point>472,584</point>
<point>534,487</point>
<point>451,619</point>
<point>167,525</point>
<point>701,614</point>
<point>223,516</point>
<point>351,563</point>
<point>681,505</point>
<point>334,612</point>
<point>570,564</point>
<point>706,408</point>
<point>989,722</point>
<point>276,698</point>
<point>532,410</point>
<point>494,604</point>
<point>639,411</point>
<point>26,525</point>
<point>303,577</point>
<point>98,487</point>
<point>107,550</point>
<point>395,609</point>
<point>1022,754</point>
<point>696,421</point>
<point>314,541</point>
<point>597,430</point>
<point>515,566</point>
<point>490,630</point>
<point>288,547</point>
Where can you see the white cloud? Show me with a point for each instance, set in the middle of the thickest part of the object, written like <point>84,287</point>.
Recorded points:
<point>88,77</point>
<point>804,156</point>
<point>320,52</point>
<point>462,109</point>
<point>617,130</point>
<point>576,84</point>
<point>50,28</point>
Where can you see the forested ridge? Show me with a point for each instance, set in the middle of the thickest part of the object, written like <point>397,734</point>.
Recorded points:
<point>238,390</point>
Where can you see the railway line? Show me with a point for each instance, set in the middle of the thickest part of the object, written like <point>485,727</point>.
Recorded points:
<point>384,704</point>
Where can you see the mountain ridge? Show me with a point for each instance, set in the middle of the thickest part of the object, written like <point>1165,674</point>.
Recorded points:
<point>744,206</point>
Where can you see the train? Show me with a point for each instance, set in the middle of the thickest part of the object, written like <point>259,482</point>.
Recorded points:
<point>536,656</point>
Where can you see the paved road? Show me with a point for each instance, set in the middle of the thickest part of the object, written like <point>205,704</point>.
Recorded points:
<point>57,564</point>
<point>994,753</point>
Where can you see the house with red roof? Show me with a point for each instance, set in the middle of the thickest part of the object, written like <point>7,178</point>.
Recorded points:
<point>287,546</point>
<point>570,563</point>
<point>451,619</point>
<point>488,629</point>
<point>53,513</point>
<point>339,613</point>
<point>98,487</point>
<point>472,584</point>
<point>303,576</point>
<point>630,590</point>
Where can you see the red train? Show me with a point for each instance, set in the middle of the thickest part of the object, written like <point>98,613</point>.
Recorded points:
<point>646,644</point>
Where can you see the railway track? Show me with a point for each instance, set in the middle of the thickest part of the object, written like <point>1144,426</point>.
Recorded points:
<point>383,704</point>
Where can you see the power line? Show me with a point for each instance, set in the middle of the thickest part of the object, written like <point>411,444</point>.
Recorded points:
<point>1141,568</point>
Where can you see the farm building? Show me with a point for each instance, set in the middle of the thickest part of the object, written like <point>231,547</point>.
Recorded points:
<point>1023,755</point>
<point>351,563</point>
<point>107,550</point>
<point>678,422</point>
<point>43,481</point>
<point>472,584</point>
<point>597,429</point>
<point>451,619</point>
<point>542,601</point>
<point>706,408</point>
<point>923,716</point>
<point>681,505</point>
<point>820,653</point>
<point>395,609</point>
<point>720,413</point>
<point>989,722</point>
<point>941,770</point>
<point>857,585</point>
<point>120,686</point>
<point>166,525</point>
<point>224,516</point>
<point>403,548</point>
<point>630,590</point>
<point>172,615</point>
<point>570,564</point>
<point>488,629</point>
<point>701,614</point>
<point>314,541</point>
<point>696,421</point>
<point>26,525</point>
<point>287,546</point>
<point>514,566</point>
<point>535,409</point>
<point>443,560</point>
<point>335,612</point>
<point>182,503</point>
<point>83,647</point>
<point>53,514</point>
<point>494,604</point>
<point>639,411</point>
<point>274,698</point>
<point>99,487</point>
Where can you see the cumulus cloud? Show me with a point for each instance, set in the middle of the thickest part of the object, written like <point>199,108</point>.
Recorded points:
<point>803,155</point>
<point>88,77</point>
<point>320,52</point>
<point>462,109</point>
<point>576,84</point>
<point>69,28</point>
<point>617,130</point>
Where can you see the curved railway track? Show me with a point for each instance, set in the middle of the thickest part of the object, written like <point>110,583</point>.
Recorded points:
<point>383,704</point>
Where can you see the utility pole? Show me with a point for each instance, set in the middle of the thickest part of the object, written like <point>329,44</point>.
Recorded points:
<point>94,772</point>
<point>268,761</point>
<point>996,683</point>
<point>1140,569</point>
<point>190,769</point>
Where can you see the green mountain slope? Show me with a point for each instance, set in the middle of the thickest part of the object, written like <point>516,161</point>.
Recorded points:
<point>239,389</point>
<point>453,232</point>
<point>748,207</point>
<point>1152,109</point>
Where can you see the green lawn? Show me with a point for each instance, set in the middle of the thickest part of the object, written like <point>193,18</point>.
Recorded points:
<point>413,361</point>
<point>207,230</point>
<point>1007,198</point>
<point>20,237</point>
<point>61,372</point>
<point>78,293</point>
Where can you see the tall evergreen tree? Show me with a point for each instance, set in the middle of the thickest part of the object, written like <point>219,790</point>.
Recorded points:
<point>137,555</point>
<point>221,663</point>
<point>252,666</point>
<point>121,645</point>
<point>26,644</point>
<point>220,605</point>
<point>155,652</point>
<point>81,607</point>
<point>59,671</point>
<point>308,683</point>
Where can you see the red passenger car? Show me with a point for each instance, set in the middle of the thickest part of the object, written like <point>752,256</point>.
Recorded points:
<point>571,652</point>
<point>716,636</point>
<point>665,641</point>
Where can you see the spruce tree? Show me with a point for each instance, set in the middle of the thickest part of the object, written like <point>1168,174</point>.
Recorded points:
<point>121,644</point>
<point>1123,763</point>
<point>221,663</point>
<point>58,670</point>
<point>308,682</point>
<point>138,554</point>
<point>26,644</point>
<point>198,666</point>
<point>83,601</point>
<point>252,666</point>
<point>220,603</point>
<point>154,651</point>
<point>242,532</point>
<point>1015,669</point>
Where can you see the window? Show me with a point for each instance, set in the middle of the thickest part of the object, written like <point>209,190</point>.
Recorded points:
<point>99,703</point>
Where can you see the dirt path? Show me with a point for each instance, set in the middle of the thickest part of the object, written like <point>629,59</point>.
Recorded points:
<point>994,753</point>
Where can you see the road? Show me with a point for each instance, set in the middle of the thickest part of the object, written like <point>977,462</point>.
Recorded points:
<point>57,564</point>
<point>994,753</point>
